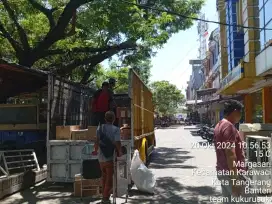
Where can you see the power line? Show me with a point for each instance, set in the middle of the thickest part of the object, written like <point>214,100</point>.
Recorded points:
<point>180,61</point>
<point>193,18</point>
<point>185,70</point>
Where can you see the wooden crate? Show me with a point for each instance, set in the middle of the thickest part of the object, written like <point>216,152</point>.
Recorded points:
<point>93,185</point>
<point>91,134</point>
<point>80,134</point>
<point>65,132</point>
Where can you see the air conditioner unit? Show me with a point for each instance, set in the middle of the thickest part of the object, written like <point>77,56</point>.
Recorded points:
<point>258,160</point>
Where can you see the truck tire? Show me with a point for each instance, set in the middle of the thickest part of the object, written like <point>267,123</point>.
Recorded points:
<point>146,155</point>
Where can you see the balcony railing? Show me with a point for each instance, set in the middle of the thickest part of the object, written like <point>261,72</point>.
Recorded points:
<point>233,76</point>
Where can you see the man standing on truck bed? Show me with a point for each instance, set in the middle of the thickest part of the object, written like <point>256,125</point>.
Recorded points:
<point>101,103</point>
<point>112,83</point>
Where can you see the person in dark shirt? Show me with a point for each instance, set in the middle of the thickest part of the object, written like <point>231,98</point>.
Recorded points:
<point>112,83</point>
<point>101,103</point>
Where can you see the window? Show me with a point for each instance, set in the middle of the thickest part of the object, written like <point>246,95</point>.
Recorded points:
<point>218,49</point>
<point>261,18</point>
<point>257,110</point>
<point>268,33</point>
<point>232,64</point>
<point>267,11</point>
<point>229,67</point>
<point>260,3</point>
<point>239,12</point>
<point>262,39</point>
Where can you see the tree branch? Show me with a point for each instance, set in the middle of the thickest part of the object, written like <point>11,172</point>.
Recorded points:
<point>125,45</point>
<point>58,32</point>
<point>22,34</point>
<point>94,59</point>
<point>47,12</point>
<point>14,43</point>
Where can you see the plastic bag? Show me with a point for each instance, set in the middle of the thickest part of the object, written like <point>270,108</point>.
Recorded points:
<point>143,178</point>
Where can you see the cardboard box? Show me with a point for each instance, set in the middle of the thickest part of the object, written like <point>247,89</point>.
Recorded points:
<point>91,134</point>
<point>65,132</point>
<point>122,112</point>
<point>80,134</point>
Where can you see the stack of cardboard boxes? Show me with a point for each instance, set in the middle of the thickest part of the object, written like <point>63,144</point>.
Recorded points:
<point>73,132</point>
<point>123,116</point>
<point>89,187</point>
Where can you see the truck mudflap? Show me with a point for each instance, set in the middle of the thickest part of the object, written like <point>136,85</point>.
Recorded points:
<point>150,150</point>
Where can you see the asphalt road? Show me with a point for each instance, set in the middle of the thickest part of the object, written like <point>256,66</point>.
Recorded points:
<point>183,164</point>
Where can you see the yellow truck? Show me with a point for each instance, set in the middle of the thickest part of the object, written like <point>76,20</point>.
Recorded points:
<point>138,102</point>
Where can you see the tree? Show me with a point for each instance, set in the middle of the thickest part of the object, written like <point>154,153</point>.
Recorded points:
<point>67,36</point>
<point>121,75</point>
<point>167,97</point>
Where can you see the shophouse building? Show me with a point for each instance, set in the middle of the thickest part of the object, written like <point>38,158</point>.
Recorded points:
<point>239,48</point>
<point>210,108</point>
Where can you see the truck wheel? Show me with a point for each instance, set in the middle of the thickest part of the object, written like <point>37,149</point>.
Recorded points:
<point>146,155</point>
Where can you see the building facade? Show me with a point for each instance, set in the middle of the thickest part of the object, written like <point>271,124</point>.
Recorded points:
<point>209,109</point>
<point>195,82</point>
<point>234,35</point>
<point>189,90</point>
<point>240,40</point>
<point>242,56</point>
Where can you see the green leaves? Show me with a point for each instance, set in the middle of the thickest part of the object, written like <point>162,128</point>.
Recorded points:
<point>71,25</point>
<point>142,68</point>
<point>167,97</point>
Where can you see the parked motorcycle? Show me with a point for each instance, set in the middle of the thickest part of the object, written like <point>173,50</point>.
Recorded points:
<point>206,132</point>
<point>210,135</point>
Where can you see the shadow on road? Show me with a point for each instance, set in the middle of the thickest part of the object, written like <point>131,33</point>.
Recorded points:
<point>164,157</point>
<point>168,190</point>
<point>48,192</point>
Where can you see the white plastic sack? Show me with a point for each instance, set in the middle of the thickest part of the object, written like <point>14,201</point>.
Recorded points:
<point>143,178</point>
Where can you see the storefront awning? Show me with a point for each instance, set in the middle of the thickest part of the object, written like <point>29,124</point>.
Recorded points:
<point>219,99</point>
<point>212,100</point>
<point>236,81</point>
<point>204,92</point>
<point>257,86</point>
